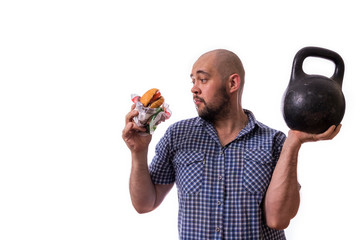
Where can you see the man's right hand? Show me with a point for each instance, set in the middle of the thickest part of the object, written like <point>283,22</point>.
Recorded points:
<point>136,143</point>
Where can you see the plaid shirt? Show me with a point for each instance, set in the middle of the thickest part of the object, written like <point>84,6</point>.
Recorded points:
<point>220,189</point>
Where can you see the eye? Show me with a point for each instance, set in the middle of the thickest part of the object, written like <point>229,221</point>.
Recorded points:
<point>201,80</point>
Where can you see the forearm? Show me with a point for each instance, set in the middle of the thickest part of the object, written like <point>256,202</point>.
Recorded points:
<point>282,199</point>
<point>142,190</point>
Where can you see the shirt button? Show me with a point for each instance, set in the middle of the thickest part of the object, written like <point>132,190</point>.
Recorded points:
<point>218,229</point>
<point>220,177</point>
<point>218,203</point>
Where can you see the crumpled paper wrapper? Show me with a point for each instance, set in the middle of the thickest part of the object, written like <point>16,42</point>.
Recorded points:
<point>150,117</point>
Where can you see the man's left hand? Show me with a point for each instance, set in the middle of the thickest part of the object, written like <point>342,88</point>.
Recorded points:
<point>304,137</point>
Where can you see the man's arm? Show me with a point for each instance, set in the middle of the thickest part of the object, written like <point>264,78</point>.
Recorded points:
<point>282,198</point>
<point>145,195</point>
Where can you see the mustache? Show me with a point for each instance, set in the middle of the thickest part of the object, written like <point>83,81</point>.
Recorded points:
<point>198,98</point>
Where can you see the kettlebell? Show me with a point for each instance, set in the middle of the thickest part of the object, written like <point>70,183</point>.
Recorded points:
<point>312,103</point>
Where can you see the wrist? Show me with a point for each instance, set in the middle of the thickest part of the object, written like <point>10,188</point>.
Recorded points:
<point>293,141</point>
<point>139,157</point>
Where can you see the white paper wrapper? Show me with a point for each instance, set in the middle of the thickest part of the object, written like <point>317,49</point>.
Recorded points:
<point>150,117</point>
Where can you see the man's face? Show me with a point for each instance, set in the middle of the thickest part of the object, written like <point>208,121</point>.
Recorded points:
<point>209,92</point>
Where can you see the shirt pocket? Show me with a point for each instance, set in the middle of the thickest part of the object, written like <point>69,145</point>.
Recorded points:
<point>259,167</point>
<point>189,167</point>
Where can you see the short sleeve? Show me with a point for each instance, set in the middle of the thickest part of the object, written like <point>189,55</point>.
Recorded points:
<point>161,167</point>
<point>278,143</point>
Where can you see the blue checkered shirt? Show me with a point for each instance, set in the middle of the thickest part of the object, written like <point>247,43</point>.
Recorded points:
<point>220,189</point>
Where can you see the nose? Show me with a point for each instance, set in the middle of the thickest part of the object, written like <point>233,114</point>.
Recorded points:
<point>195,90</point>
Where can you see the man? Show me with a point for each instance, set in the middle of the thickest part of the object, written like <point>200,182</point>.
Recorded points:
<point>236,177</point>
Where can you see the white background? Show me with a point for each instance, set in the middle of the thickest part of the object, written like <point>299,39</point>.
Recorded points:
<point>67,69</point>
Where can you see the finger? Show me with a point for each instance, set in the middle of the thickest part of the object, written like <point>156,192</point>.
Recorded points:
<point>130,129</point>
<point>139,129</point>
<point>326,134</point>
<point>336,131</point>
<point>126,131</point>
<point>131,115</point>
<point>330,133</point>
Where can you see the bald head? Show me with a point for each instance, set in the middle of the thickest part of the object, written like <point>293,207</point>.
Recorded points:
<point>227,63</point>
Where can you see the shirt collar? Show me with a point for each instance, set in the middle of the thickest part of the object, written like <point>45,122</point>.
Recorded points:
<point>251,124</point>
<point>248,128</point>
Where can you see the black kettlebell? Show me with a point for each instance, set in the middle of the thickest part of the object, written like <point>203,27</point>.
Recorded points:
<point>312,103</point>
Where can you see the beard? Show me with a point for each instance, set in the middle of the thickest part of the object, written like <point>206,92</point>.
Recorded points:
<point>217,109</point>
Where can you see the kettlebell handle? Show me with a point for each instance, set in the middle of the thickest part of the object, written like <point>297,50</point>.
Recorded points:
<point>302,54</point>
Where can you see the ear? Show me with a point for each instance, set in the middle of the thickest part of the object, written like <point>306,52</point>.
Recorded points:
<point>234,82</point>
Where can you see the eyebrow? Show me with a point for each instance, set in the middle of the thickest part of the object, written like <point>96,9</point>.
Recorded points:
<point>201,72</point>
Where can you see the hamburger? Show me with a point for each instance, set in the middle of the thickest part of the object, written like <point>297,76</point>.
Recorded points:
<point>152,98</point>
<point>152,109</point>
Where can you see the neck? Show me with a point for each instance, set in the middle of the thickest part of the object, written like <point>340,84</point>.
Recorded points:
<point>228,127</point>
